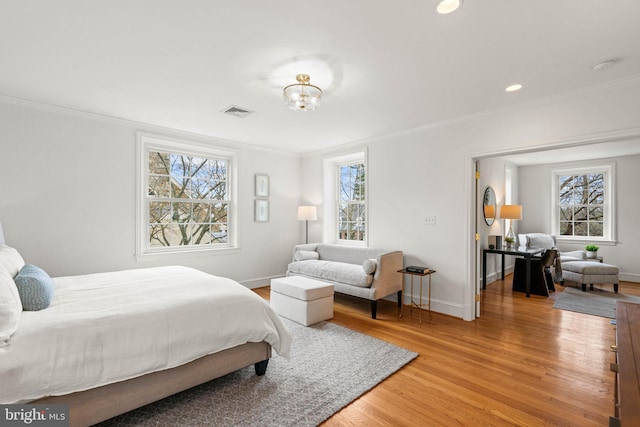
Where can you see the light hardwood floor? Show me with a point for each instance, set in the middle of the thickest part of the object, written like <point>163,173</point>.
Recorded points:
<point>523,363</point>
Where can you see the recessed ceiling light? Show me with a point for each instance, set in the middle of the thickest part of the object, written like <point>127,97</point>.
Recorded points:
<point>513,88</point>
<point>604,65</point>
<point>448,6</point>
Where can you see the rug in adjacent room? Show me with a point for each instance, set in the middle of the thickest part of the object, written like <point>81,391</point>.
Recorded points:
<point>598,302</point>
<point>330,366</point>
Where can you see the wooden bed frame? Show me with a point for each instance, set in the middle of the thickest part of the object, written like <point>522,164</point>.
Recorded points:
<point>101,403</point>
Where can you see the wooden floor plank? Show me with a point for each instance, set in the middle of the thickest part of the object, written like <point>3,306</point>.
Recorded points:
<point>522,363</point>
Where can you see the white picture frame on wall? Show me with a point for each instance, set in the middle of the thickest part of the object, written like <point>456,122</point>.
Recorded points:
<point>262,185</point>
<point>261,210</point>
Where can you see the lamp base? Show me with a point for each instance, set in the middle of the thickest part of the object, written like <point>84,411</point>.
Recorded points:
<point>510,238</point>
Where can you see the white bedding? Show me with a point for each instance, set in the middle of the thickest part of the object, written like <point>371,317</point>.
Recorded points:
<point>108,327</point>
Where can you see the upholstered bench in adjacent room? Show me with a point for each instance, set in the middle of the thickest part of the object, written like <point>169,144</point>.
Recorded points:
<point>593,273</point>
<point>303,300</point>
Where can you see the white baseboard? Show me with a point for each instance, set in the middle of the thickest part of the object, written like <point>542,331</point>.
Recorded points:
<point>630,277</point>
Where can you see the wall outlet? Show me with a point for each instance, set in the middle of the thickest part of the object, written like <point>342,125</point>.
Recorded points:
<point>430,220</point>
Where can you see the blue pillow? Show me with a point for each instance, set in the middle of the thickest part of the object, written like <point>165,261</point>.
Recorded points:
<point>35,288</point>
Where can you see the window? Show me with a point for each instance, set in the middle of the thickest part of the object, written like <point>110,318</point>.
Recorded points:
<point>583,200</point>
<point>352,212</point>
<point>186,197</point>
<point>345,193</point>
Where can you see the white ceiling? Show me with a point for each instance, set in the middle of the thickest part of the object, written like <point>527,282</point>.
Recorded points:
<point>385,66</point>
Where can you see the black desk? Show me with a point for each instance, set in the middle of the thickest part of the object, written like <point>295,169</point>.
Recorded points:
<point>526,253</point>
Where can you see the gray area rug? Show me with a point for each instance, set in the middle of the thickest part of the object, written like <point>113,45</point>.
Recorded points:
<point>597,302</point>
<point>330,366</point>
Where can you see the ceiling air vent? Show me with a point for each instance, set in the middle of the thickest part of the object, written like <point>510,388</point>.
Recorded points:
<point>237,111</point>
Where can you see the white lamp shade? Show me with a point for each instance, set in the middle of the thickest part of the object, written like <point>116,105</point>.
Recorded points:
<point>511,212</point>
<point>307,213</point>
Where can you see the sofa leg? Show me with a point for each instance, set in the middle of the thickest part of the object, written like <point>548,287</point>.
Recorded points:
<point>584,287</point>
<point>374,308</point>
<point>615,288</point>
<point>400,298</point>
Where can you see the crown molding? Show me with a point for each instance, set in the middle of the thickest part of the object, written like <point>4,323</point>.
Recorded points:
<point>139,126</point>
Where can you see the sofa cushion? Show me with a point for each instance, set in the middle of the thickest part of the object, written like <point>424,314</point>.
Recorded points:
<point>346,253</point>
<point>369,266</point>
<point>302,255</point>
<point>540,240</point>
<point>334,271</point>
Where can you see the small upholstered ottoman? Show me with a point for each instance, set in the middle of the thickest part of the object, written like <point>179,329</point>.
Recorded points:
<point>591,272</point>
<point>303,300</point>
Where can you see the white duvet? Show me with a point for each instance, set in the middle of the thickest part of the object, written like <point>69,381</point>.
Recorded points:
<point>108,327</point>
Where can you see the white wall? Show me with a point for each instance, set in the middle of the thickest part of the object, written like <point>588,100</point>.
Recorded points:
<point>67,198</point>
<point>44,175</point>
<point>429,172</point>
<point>536,182</point>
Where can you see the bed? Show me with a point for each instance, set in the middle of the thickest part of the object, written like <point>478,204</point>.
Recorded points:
<point>111,342</point>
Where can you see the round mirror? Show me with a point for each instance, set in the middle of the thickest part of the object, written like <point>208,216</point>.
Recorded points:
<point>489,205</point>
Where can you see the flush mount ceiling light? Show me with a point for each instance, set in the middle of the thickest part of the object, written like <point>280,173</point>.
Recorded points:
<point>302,96</point>
<point>604,65</point>
<point>448,6</point>
<point>513,88</point>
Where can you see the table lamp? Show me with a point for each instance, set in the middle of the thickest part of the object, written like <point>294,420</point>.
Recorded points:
<point>512,213</point>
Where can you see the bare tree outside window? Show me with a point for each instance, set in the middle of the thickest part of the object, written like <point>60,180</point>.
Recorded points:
<point>581,204</point>
<point>187,199</point>
<point>351,205</point>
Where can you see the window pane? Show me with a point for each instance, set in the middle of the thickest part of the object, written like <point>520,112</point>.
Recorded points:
<point>159,212</point>
<point>596,214</point>
<point>218,233</point>
<point>595,229</point>
<point>581,229</point>
<point>159,163</point>
<point>180,234</point>
<point>180,187</point>
<point>566,228</point>
<point>219,213</point>
<point>566,213</point>
<point>159,235</point>
<point>217,190</point>
<point>580,213</point>
<point>159,186</point>
<point>201,213</point>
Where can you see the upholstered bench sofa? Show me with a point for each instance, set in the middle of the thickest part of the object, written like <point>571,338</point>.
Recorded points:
<point>353,270</point>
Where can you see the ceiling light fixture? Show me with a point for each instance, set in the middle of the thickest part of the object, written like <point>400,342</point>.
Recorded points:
<point>513,88</point>
<point>302,96</point>
<point>604,65</point>
<point>447,6</point>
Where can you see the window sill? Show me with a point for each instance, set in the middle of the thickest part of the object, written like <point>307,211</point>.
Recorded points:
<point>586,241</point>
<point>185,253</point>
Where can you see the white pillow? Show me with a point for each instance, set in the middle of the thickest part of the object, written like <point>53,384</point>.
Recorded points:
<point>370,265</point>
<point>303,255</point>
<point>10,307</point>
<point>11,260</point>
<point>540,240</point>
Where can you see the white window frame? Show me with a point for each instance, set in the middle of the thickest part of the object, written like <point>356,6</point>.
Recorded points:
<point>332,196</point>
<point>609,208</point>
<point>149,143</point>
